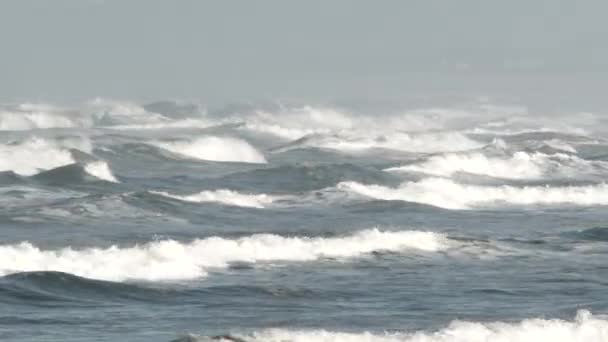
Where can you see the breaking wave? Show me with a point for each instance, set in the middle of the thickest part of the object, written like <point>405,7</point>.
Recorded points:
<point>214,148</point>
<point>173,260</point>
<point>405,142</point>
<point>585,327</point>
<point>32,156</point>
<point>34,116</point>
<point>448,194</point>
<point>520,165</point>
<point>224,196</point>
<point>101,170</point>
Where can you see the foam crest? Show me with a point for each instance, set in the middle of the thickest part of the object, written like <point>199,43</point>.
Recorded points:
<point>225,196</point>
<point>585,327</point>
<point>101,170</point>
<point>173,260</point>
<point>520,165</point>
<point>32,156</point>
<point>215,148</point>
<point>448,194</point>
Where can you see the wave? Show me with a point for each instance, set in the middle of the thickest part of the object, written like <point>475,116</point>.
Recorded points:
<point>37,155</point>
<point>101,170</point>
<point>215,148</point>
<point>295,122</point>
<point>520,165</point>
<point>397,141</point>
<point>32,156</point>
<point>585,327</point>
<point>173,260</point>
<point>28,116</point>
<point>448,194</point>
<point>49,288</point>
<point>224,196</point>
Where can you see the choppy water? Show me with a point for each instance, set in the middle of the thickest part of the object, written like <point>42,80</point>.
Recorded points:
<point>162,222</point>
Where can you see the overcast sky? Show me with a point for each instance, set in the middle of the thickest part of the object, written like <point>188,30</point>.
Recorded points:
<point>233,50</point>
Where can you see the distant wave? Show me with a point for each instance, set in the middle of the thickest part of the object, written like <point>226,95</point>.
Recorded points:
<point>173,260</point>
<point>224,196</point>
<point>215,148</point>
<point>448,194</point>
<point>34,116</point>
<point>520,165</point>
<point>585,327</point>
<point>406,142</point>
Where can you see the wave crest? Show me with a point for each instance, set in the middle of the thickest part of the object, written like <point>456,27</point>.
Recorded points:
<point>448,194</point>
<point>585,327</point>
<point>173,260</point>
<point>215,148</point>
<point>521,165</point>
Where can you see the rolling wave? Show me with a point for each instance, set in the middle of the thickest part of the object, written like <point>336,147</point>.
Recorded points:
<point>521,165</point>
<point>173,260</point>
<point>214,148</point>
<point>585,327</point>
<point>32,156</point>
<point>396,141</point>
<point>448,194</point>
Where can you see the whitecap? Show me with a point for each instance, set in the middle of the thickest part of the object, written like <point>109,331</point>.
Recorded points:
<point>174,260</point>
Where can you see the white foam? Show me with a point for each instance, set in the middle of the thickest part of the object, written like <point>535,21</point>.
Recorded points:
<point>585,327</point>
<point>420,142</point>
<point>448,194</point>
<point>101,170</point>
<point>225,196</point>
<point>520,165</point>
<point>173,260</point>
<point>297,122</point>
<point>29,116</point>
<point>216,149</point>
<point>32,156</point>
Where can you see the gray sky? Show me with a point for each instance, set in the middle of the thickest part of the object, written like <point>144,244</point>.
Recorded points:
<point>216,51</point>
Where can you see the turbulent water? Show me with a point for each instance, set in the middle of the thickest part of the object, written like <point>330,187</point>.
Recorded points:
<point>169,222</point>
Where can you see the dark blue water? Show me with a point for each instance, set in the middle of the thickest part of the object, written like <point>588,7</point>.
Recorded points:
<point>121,222</point>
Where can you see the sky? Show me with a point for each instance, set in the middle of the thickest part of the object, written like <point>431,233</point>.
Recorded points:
<point>314,50</point>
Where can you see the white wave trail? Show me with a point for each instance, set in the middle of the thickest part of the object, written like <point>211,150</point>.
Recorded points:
<point>216,149</point>
<point>101,170</point>
<point>32,156</point>
<point>448,194</point>
<point>173,260</point>
<point>585,327</point>
<point>520,165</point>
<point>225,196</point>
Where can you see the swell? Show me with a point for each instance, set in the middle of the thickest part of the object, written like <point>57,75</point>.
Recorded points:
<point>51,288</point>
<point>302,177</point>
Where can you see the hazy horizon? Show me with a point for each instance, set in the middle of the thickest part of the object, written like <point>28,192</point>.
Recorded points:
<point>219,52</point>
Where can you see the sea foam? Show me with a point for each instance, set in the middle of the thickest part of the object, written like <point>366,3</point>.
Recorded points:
<point>448,194</point>
<point>215,148</point>
<point>585,327</point>
<point>521,165</point>
<point>174,260</point>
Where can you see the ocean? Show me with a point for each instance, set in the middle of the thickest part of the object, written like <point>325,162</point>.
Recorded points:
<point>169,221</point>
